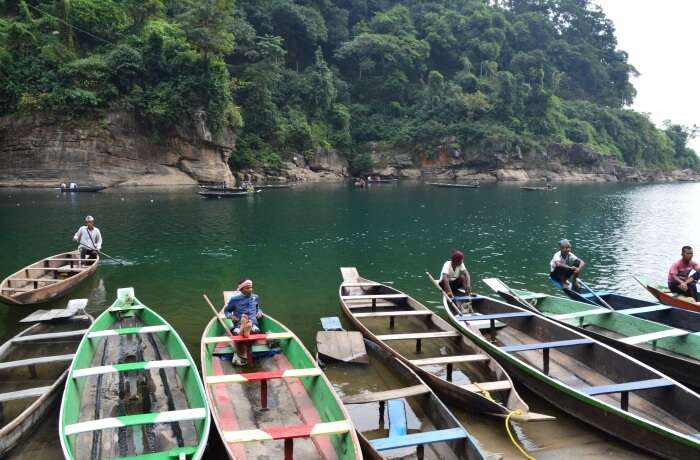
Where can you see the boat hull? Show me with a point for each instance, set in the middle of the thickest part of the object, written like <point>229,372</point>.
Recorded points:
<point>668,299</point>
<point>47,293</point>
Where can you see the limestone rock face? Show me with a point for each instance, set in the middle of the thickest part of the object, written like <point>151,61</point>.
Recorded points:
<point>328,160</point>
<point>35,151</point>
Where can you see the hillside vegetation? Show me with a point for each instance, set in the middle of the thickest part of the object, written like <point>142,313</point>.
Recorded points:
<point>294,76</point>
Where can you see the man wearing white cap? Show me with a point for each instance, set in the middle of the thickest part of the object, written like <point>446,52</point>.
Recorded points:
<point>243,308</point>
<point>89,239</point>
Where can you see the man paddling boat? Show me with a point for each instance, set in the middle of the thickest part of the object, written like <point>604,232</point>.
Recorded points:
<point>454,276</point>
<point>680,280</point>
<point>565,265</point>
<point>243,308</point>
<point>89,239</point>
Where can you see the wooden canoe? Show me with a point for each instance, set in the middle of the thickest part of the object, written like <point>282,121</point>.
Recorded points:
<point>417,421</point>
<point>538,189</point>
<point>663,295</point>
<point>133,390</point>
<point>225,194</point>
<point>587,379</point>
<point>305,418</point>
<point>653,311</point>
<point>82,189</point>
<point>33,367</point>
<point>673,351</point>
<point>455,367</point>
<point>47,279</point>
<point>447,185</point>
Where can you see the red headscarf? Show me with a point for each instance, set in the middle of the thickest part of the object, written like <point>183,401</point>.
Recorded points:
<point>457,257</point>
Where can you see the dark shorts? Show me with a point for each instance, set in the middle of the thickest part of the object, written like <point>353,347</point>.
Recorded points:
<point>561,274</point>
<point>86,253</point>
<point>455,286</point>
<point>692,287</point>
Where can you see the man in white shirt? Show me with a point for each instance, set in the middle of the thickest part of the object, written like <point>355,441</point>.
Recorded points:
<point>454,275</point>
<point>89,239</point>
<point>565,265</point>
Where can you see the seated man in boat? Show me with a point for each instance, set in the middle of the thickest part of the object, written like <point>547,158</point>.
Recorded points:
<point>454,276</point>
<point>243,309</point>
<point>679,279</point>
<point>565,265</point>
<point>89,239</point>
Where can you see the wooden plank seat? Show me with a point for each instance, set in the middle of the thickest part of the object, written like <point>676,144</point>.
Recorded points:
<point>497,385</point>
<point>625,388</point>
<point>49,336</point>
<point>373,306</point>
<point>360,284</point>
<point>129,308</point>
<point>35,361</point>
<point>596,294</point>
<point>134,420</point>
<point>494,317</point>
<point>450,361</point>
<point>176,453</point>
<point>250,338</point>
<point>545,347</point>
<point>419,336</point>
<point>263,377</point>
<point>581,314</point>
<point>377,396</point>
<point>129,331</point>
<point>35,280</point>
<point>418,439</point>
<point>22,289</point>
<point>377,314</point>
<point>24,394</point>
<point>640,310</point>
<point>654,336</point>
<point>374,296</point>
<point>65,268</point>
<point>128,367</point>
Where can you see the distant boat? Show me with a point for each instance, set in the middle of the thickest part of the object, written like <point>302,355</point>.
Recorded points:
<point>455,185</point>
<point>47,279</point>
<point>390,180</point>
<point>81,188</point>
<point>547,188</point>
<point>221,188</point>
<point>225,194</point>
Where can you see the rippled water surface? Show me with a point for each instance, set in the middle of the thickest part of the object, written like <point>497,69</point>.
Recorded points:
<point>291,242</point>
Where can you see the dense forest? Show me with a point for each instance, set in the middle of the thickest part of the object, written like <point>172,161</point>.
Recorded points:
<point>293,76</point>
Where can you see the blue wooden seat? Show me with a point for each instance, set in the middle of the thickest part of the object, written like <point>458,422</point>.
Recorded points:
<point>398,424</point>
<point>495,316</point>
<point>625,388</point>
<point>331,323</point>
<point>466,298</point>
<point>418,439</point>
<point>589,295</point>
<point>545,347</point>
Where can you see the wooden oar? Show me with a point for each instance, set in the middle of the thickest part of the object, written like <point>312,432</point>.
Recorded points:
<point>437,286</point>
<point>102,253</point>
<point>221,321</point>
<point>498,285</point>
<point>595,294</point>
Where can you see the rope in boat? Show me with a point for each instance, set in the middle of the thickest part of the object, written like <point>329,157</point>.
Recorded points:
<point>517,445</point>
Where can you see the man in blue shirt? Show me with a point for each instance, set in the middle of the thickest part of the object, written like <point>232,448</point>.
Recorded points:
<point>243,309</point>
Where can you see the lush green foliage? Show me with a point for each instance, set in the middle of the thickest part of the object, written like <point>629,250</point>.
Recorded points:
<point>308,74</point>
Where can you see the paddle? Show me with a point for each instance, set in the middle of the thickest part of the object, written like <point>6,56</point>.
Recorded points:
<point>595,294</point>
<point>437,286</point>
<point>103,254</point>
<point>499,286</point>
<point>221,321</point>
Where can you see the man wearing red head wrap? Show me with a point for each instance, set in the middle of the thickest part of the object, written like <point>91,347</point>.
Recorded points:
<point>455,276</point>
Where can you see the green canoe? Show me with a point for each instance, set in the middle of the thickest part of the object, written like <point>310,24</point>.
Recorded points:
<point>673,351</point>
<point>281,405</point>
<point>133,390</point>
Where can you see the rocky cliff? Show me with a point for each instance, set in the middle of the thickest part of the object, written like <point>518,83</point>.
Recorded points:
<point>116,150</point>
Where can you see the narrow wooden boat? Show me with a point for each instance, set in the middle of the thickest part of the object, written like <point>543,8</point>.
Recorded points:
<point>221,188</point>
<point>673,351</point>
<point>47,279</point>
<point>133,390</point>
<point>33,367</point>
<point>585,378</point>
<point>417,422</point>
<point>382,181</point>
<point>81,189</point>
<point>225,194</point>
<point>305,420</point>
<point>665,296</point>
<point>538,189</point>
<point>455,185</point>
<point>453,365</point>
<point>652,311</point>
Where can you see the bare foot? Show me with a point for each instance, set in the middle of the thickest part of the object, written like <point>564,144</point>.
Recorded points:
<point>246,325</point>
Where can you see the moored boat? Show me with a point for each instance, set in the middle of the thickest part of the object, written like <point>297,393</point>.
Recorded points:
<point>453,185</point>
<point>294,414</point>
<point>418,422</point>
<point>226,194</point>
<point>665,296</point>
<point>548,188</point>
<point>585,378</point>
<point>453,365</point>
<point>673,351</point>
<point>47,279</point>
<point>133,390</point>
<point>81,189</point>
<point>222,188</point>
<point>33,367</point>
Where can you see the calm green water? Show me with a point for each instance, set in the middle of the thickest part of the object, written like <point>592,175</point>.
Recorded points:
<point>291,242</point>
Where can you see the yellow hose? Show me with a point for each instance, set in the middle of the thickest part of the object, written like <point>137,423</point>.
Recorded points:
<point>512,438</point>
